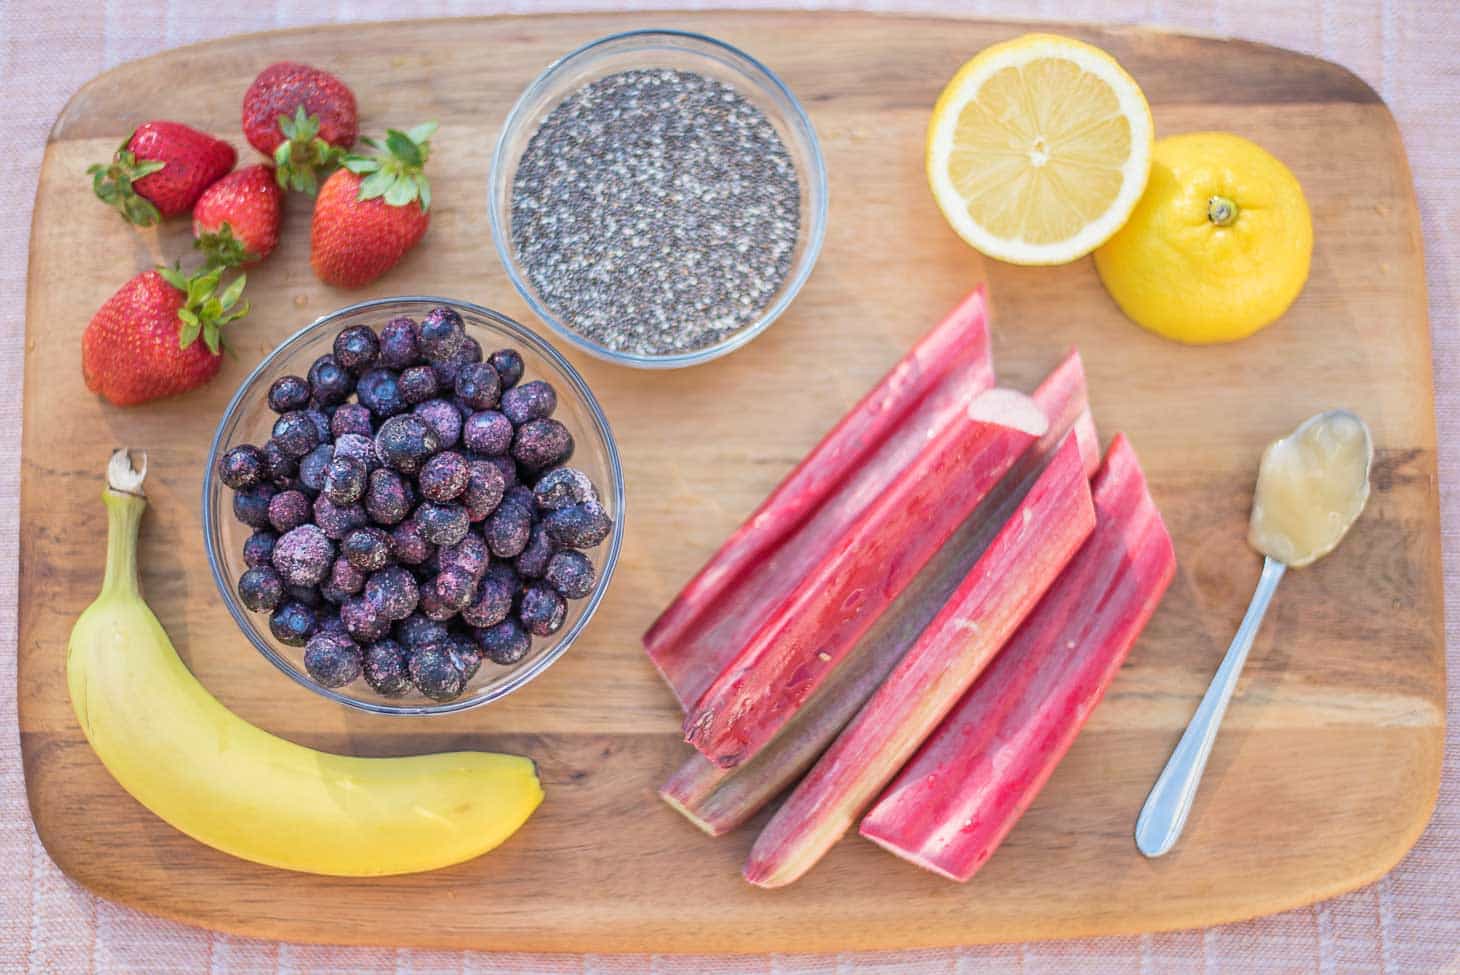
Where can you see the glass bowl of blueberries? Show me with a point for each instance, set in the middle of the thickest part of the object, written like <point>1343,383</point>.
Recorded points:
<point>413,506</point>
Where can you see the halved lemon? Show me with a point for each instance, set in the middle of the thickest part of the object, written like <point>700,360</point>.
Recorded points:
<point>1039,149</point>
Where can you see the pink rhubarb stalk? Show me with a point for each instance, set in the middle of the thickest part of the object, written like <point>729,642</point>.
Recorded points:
<point>718,610</point>
<point>943,476</point>
<point>717,799</point>
<point>1019,565</point>
<point>954,803</point>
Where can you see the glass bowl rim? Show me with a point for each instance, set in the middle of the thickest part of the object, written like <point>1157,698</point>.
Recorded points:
<point>518,678</point>
<point>796,119</point>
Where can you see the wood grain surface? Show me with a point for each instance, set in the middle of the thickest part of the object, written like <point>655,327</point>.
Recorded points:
<point>1327,768</point>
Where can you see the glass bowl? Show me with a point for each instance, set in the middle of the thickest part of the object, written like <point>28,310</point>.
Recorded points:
<point>662,49</point>
<point>248,419</point>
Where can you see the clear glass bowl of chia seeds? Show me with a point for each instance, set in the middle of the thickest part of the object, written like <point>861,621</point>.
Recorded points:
<point>248,419</point>
<point>638,283</point>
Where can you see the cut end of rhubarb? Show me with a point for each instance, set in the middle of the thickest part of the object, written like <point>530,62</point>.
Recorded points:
<point>914,857</point>
<point>1009,408</point>
<point>688,813</point>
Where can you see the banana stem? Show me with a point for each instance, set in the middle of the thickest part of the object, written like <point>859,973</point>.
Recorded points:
<point>125,503</point>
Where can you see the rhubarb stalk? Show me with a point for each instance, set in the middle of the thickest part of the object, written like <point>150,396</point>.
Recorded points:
<point>1016,569</point>
<point>943,475</point>
<point>954,803</point>
<point>719,609</point>
<point>717,799</point>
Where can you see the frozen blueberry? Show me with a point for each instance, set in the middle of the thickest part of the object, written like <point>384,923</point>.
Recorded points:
<point>417,630</point>
<point>344,480</point>
<point>359,446</point>
<point>478,386</point>
<point>541,609</point>
<point>509,366</point>
<point>398,343</point>
<point>305,596</point>
<point>443,477</point>
<point>364,620</point>
<point>289,393</point>
<point>328,621</point>
<point>303,556</point>
<point>442,417</point>
<point>261,589</point>
<point>508,530</point>
<point>288,510</point>
<point>379,392</point>
<point>338,520</point>
<point>408,545</point>
<point>456,587</point>
<point>351,418</point>
<point>296,434</point>
<point>465,654</point>
<point>442,333</point>
<point>321,421</point>
<point>393,592</point>
<point>343,582</point>
<point>434,674</point>
<point>505,643</point>
<point>563,486</point>
<point>251,505</point>
<point>508,469</point>
<point>433,604</point>
<point>442,524</point>
<point>417,384</point>
<point>386,669</point>
<point>570,573</point>
<point>367,548</point>
<point>532,562</point>
<point>279,465</point>
<point>258,549</point>
<point>331,659</point>
<point>241,467</point>
<point>492,600</point>
<point>292,623</point>
<point>522,496</point>
<point>469,554</point>
<point>356,348</point>
<point>329,382</point>
<point>311,468</point>
<point>387,499</point>
<point>487,433</point>
<point>446,371</point>
<point>470,351</point>
<point>485,487</point>
<point>530,401</point>
<point>404,442</point>
<point>542,443</point>
<point>579,525</point>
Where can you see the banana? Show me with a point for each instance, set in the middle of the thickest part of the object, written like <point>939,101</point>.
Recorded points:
<point>241,790</point>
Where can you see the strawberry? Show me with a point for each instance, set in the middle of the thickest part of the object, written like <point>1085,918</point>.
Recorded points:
<point>303,118</point>
<point>160,171</point>
<point>237,219</point>
<point>142,344</point>
<point>372,211</point>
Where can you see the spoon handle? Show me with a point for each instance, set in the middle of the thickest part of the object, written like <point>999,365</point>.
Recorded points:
<point>1164,814</point>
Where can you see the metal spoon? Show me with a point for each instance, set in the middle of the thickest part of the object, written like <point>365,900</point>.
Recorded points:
<point>1299,515</point>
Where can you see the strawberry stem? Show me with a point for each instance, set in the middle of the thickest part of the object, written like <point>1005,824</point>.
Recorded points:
<point>112,183</point>
<point>303,153</point>
<point>222,249</point>
<point>204,312</point>
<point>396,172</point>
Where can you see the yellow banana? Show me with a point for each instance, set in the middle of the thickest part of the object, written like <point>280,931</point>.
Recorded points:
<point>239,789</point>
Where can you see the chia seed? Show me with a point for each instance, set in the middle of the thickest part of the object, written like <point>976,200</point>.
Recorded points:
<point>656,211</point>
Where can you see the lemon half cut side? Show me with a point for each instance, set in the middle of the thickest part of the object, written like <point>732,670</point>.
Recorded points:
<point>1039,149</point>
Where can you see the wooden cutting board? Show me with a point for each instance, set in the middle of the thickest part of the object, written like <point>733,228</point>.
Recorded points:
<point>1327,768</point>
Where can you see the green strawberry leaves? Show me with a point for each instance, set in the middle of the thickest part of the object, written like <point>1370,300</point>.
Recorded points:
<point>222,249</point>
<point>303,153</point>
<point>204,313</point>
<point>395,173</point>
<point>112,183</point>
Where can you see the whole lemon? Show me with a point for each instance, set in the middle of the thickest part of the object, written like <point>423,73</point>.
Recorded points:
<point>1218,246</point>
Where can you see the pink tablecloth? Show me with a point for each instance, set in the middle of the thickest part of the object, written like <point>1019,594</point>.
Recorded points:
<point>1408,922</point>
